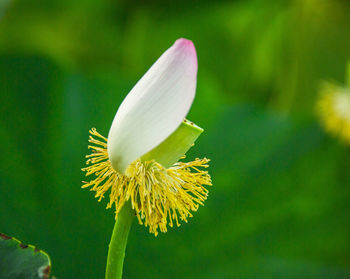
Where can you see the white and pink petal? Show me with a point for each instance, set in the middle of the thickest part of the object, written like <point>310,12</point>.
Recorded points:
<point>155,107</point>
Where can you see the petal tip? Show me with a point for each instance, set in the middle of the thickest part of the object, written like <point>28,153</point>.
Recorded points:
<point>184,42</point>
<point>186,46</point>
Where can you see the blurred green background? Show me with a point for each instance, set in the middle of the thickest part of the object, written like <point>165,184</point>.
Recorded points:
<point>279,206</point>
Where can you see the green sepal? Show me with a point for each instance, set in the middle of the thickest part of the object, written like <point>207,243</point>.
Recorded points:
<point>21,261</point>
<point>175,146</point>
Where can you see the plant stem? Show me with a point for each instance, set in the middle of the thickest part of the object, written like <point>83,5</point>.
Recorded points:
<point>116,251</point>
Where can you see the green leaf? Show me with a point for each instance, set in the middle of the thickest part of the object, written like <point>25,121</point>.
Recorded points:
<point>21,261</point>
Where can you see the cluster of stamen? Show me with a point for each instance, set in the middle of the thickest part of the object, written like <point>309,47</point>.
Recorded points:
<point>159,196</point>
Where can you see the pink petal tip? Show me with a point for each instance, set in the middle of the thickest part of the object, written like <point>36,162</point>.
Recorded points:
<point>186,46</point>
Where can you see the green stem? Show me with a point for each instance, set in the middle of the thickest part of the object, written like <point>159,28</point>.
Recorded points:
<point>116,251</point>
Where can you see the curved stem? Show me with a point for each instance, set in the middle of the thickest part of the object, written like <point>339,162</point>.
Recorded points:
<point>116,251</point>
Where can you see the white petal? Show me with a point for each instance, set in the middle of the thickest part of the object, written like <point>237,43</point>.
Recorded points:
<point>155,107</point>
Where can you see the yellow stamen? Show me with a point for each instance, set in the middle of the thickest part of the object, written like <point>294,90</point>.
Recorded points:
<point>158,195</point>
<point>333,108</point>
